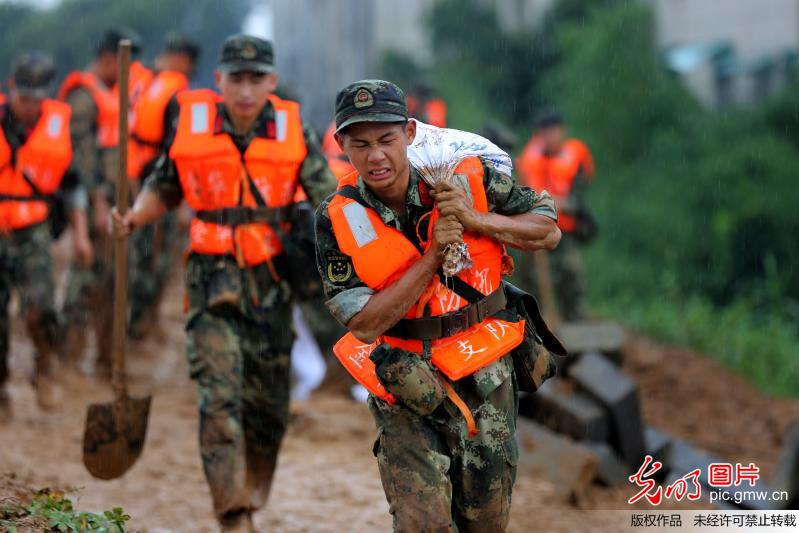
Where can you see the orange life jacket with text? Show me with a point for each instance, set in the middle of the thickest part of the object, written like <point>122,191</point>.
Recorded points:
<point>107,102</point>
<point>147,119</point>
<point>213,175</point>
<point>556,173</point>
<point>44,158</point>
<point>381,255</point>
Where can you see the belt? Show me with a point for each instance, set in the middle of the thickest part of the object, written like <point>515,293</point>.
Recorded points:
<point>438,327</point>
<point>236,216</point>
<point>19,198</point>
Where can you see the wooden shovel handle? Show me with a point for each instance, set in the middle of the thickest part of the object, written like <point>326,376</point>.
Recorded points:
<point>118,381</point>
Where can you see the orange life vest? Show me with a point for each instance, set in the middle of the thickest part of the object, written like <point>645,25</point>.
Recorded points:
<point>105,99</point>
<point>44,158</point>
<point>433,112</point>
<point>337,162</point>
<point>556,173</point>
<point>139,78</point>
<point>381,255</point>
<point>147,119</point>
<point>213,174</point>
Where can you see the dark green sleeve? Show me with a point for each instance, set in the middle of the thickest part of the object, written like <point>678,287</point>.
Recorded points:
<point>346,294</point>
<point>506,197</point>
<point>315,176</point>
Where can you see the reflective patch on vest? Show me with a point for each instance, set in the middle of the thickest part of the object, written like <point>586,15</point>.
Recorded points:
<point>155,88</point>
<point>199,117</point>
<point>54,126</point>
<point>281,125</point>
<point>359,223</point>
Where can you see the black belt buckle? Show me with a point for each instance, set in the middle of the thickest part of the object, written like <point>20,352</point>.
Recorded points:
<point>456,322</point>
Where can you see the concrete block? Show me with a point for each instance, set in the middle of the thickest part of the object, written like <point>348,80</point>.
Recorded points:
<point>543,453</point>
<point>606,338</point>
<point>606,384</point>
<point>558,406</point>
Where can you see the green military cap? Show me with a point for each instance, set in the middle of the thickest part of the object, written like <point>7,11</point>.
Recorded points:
<point>370,101</point>
<point>248,53</point>
<point>33,73</point>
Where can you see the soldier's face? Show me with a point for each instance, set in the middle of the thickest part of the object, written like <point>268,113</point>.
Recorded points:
<point>379,152</point>
<point>552,137</point>
<point>25,108</point>
<point>106,67</point>
<point>245,93</point>
<point>175,61</point>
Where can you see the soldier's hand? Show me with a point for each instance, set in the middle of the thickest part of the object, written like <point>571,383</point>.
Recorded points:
<point>452,200</point>
<point>447,230</point>
<point>122,225</point>
<point>84,250</point>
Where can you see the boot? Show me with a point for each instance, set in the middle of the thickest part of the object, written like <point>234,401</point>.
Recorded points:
<point>5,405</point>
<point>48,393</point>
<point>236,522</point>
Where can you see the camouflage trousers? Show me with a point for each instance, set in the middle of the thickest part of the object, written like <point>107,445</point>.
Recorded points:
<point>568,277</point>
<point>88,302</point>
<point>242,370</point>
<point>26,266</point>
<point>152,257</point>
<point>436,479</point>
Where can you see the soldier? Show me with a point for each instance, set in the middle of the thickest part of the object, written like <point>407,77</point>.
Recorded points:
<point>238,160</point>
<point>426,105</point>
<point>35,158</point>
<point>152,248</point>
<point>563,167</point>
<point>92,94</point>
<point>445,447</point>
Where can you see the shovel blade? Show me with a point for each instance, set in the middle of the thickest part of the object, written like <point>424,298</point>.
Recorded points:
<point>114,436</point>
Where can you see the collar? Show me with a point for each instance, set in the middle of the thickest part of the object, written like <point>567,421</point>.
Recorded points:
<point>417,197</point>
<point>264,125</point>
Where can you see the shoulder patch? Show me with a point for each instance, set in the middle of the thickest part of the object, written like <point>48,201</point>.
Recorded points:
<point>338,266</point>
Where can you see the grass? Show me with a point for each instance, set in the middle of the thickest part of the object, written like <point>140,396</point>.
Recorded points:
<point>763,349</point>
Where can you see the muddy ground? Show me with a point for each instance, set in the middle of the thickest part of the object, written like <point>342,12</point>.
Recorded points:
<point>327,479</point>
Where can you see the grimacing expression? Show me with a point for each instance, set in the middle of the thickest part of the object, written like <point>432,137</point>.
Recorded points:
<point>378,151</point>
<point>245,93</point>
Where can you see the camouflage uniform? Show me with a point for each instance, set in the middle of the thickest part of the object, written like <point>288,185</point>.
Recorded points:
<point>26,266</point>
<point>86,300</point>
<point>239,355</point>
<point>434,477</point>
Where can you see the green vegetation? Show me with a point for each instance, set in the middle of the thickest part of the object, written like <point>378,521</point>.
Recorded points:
<point>698,209</point>
<point>50,510</point>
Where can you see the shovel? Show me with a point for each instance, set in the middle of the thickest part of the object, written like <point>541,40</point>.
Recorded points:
<point>115,432</point>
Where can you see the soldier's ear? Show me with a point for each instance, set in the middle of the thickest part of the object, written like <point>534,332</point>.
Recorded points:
<point>339,140</point>
<point>218,79</point>
<point>410,131</point>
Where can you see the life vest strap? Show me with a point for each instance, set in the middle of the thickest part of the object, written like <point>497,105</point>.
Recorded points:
<point>462,407</point>
<point>441,326</point>
<point>237,216</point>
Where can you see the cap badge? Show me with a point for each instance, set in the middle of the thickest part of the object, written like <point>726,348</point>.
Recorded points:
<point>363,98</point>
<point>248,52</point>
